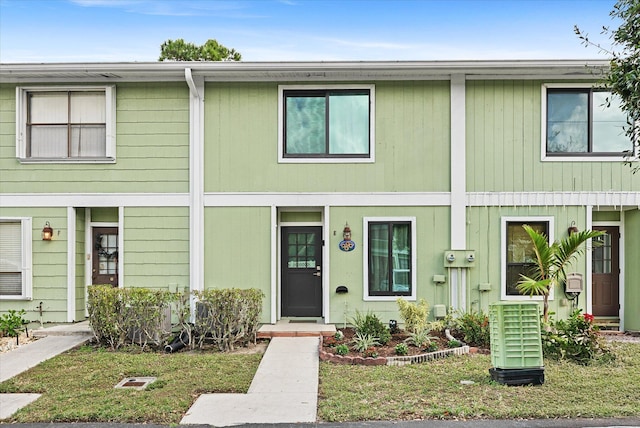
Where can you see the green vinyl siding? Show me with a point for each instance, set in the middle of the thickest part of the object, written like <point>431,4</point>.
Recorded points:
<point>484,235</point>
<point>606,216</point>
<point>152,147</point>
<point>49,265</point>
<point>432,239</point>
<point>156,247</point>
<point>238,250</point>
<point>504,122</point>
<point>632,270</point>
<point>80,265</point>
<point>411,143</point>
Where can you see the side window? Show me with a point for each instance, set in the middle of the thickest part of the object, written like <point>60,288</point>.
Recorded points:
<point>390,258</point>
<point>518,256</point>
<point>65,124</point>
<point>584,122</point>
<point>15,259</point>
<point>326,125</point>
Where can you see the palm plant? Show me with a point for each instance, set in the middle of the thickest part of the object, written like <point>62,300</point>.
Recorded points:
<point>551,262</point>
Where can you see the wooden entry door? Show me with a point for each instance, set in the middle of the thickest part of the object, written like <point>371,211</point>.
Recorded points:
<point>301,271</point>
<point>105,256</point>
<point>606,273</point>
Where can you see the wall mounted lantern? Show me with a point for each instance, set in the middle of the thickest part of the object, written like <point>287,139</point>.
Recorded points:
<point>572,229</point>
<point>47,232</point>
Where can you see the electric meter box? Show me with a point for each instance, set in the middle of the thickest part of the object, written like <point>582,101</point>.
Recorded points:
<point>515,335</point>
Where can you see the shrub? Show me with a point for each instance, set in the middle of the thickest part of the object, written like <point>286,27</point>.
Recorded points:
<point>370,324</point>
<point>342,349</point>
<point>119,315</point>
<point>402,349</point>
<point>413,314</point>
<point>575,339</point>
<point>454,344</point>
<point>363,341</point>
<point>229,316</point>
<point>12,322</point>
<point>473,327</point>
<point>419,338</point>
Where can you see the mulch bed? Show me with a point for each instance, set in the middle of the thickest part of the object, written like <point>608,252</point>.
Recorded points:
<point>387,350</point>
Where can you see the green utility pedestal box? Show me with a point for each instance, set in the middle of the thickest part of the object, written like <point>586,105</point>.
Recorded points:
<point>516,346</point>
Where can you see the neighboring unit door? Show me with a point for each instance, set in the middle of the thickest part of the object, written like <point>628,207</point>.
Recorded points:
<point>105,256</point>
<point>606,273</point>
<point>301,273</point>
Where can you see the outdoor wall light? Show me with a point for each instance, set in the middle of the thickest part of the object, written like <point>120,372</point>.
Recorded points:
<point>47,232</point>
<point>572,229</point>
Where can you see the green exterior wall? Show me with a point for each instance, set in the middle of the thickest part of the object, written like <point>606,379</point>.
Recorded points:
<point>238,250</point>
<point>49,265</point>
<point>80,261</point>
<point>152,147</point>
<point>484,235</point>
<point>632,270</point>
<point>504,146</point>
<point>432,236</point>
<point>156,247</point>
<point>242,135</point>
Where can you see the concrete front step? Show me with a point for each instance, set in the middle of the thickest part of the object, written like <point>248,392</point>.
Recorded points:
<point>294,329</point>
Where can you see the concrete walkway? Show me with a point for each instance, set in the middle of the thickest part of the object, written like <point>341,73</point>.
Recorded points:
<point>53,341</point>
<point>284,389</point>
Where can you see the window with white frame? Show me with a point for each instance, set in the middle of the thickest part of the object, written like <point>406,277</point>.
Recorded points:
<point>15,259</point>
<point>66,124</point>
<point>390,258</point>
<point>326,124</point>
<point>584,122</point>
<point>518,256</point>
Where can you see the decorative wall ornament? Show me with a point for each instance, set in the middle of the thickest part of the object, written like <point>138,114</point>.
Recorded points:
<point>346,244</point>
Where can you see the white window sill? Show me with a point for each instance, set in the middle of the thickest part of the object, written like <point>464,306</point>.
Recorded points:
<point>388,298</point>
<point>65,160</point>
<point>16,298</point>
<point>587,158</point>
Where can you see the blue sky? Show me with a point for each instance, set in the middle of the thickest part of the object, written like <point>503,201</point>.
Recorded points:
<point>301,30</point>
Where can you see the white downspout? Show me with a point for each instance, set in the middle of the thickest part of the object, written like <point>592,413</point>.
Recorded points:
<point>458,282</point>
<point>196,182</point>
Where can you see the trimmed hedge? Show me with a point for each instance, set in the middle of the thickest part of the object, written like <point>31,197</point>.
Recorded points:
<point>226,317</point>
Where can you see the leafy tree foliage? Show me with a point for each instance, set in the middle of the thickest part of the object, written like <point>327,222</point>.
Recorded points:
<point>623,78</point>
<point>179,50</point>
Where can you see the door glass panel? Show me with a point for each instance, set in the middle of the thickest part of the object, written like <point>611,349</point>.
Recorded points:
<point>602,255</point>
<point>107,246</point>
<point>301,251</point>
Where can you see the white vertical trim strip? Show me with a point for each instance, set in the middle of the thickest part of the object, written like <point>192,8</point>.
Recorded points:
<point>71,264</point>
<point>88,254</point>
<point>458,162</point>
<point>121,247</point>
<point>27,257</point>
<point>274,266</point>
<point>589,265</point>
<point>621,276</point>
<point>326,263</point>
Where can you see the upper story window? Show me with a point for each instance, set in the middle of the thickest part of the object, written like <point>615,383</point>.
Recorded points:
<point>326,124</point>
<point>518,255</point>
<point>390,263</point>
<point>15,259</point>
<point>66,124</point>
<point>583,122</point>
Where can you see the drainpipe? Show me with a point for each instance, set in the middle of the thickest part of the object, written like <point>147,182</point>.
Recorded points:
<point>196,183</point>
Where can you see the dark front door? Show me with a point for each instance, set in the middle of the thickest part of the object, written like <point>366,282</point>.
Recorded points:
<point>606,273</point>
<point>105,256</point>
<point>301,279</point>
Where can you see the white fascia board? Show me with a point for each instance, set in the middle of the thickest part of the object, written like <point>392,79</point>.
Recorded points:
<point>617,200</point>
<point>303,71</point>
<point>249,199</point>
<point>95,199</point>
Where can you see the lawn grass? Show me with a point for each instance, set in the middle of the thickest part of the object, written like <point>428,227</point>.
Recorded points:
<point>434,391</point>
<point>78,386</point>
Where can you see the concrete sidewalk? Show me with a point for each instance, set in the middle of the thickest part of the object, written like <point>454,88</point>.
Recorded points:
<point>284,389</point>
<point>53,341</point>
